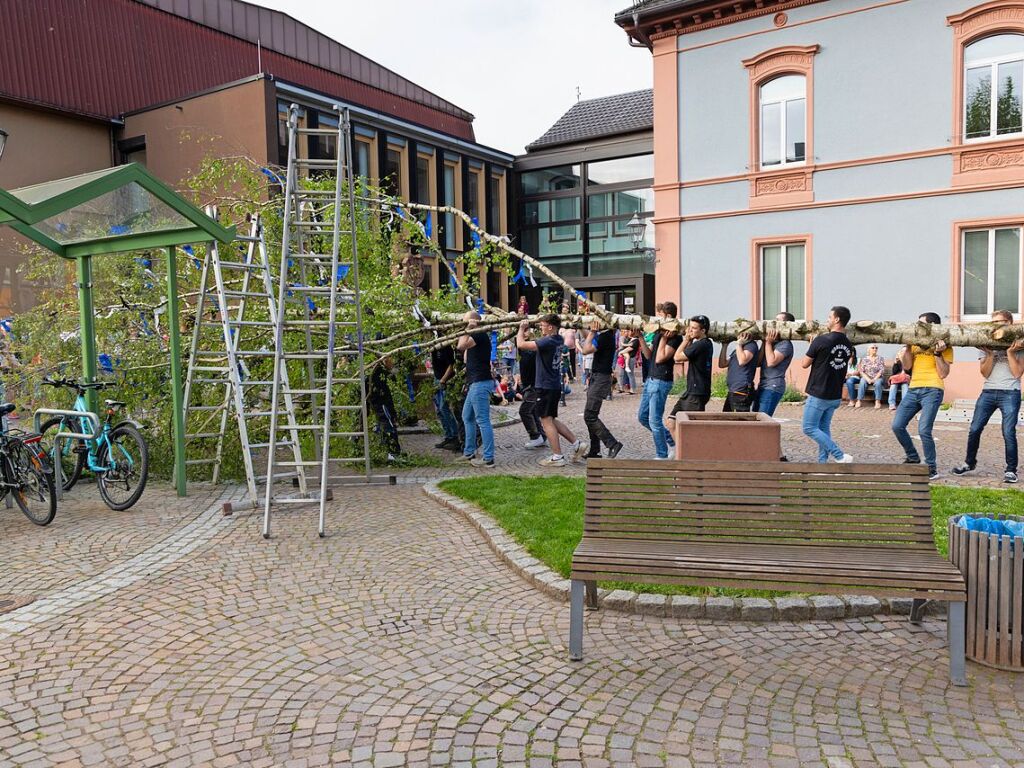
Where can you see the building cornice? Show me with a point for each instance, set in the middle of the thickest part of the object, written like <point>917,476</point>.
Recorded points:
<point>714,13</point>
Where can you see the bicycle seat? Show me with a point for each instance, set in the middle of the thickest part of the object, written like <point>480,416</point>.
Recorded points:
<point>114,404</point>
<point>6,408</point>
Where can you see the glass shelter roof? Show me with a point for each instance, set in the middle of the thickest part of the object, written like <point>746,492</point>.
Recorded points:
<point>116,209</point>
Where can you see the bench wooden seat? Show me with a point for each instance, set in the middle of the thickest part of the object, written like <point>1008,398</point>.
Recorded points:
<point>813,528</point>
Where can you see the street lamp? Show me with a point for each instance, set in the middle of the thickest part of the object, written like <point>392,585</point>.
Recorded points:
<point>637,228</point>
<point>3,141</point>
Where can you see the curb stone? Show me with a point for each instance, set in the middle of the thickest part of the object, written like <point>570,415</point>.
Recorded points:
<point>753,609</point>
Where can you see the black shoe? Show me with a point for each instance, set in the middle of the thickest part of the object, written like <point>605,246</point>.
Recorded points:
<point>614,450</point>
<point>963,469</point>
<point>911,461</point>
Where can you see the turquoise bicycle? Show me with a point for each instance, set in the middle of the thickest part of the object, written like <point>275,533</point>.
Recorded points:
<point>117,456</point>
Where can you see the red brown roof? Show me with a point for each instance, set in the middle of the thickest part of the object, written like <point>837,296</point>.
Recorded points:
<point>105,58</point>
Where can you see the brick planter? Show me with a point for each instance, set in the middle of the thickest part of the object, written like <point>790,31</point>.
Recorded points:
<point>993,567</point>
<point>727,437</point>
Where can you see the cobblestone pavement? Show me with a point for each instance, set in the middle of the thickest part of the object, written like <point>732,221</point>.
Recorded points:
<point>177,637</point>
<point>863,432</point>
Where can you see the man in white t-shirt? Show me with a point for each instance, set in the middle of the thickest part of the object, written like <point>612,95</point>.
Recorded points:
<point>1002,369</point>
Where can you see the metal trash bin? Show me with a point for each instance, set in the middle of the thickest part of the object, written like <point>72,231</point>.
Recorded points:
<point>993,567</point>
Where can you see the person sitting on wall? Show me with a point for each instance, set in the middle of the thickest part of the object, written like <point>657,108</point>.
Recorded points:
<point>872,373</point>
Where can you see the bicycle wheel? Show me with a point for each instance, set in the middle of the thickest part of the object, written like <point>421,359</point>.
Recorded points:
<point>33,483</point>
<point>72,452</point>
<point>127,467</point>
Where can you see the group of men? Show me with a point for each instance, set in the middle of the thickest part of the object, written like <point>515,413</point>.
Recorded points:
<point>827,358</point>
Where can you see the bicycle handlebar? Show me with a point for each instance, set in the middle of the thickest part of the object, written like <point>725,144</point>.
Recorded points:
<point>78,386</point>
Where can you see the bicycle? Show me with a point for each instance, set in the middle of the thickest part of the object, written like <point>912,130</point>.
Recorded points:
<point>117,456</point>
<point>25,474</point>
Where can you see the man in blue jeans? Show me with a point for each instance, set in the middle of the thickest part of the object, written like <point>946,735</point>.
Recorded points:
<point>828,357</point>
<point>661,353</point>
<point>927,368</point>
<point>1002,369</point>
<point>776,355</point>
<point>476,412</point>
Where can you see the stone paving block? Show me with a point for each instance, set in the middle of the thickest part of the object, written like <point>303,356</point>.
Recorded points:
<point>827,607</point>
<point>756,609</point>
<point>686,607</point>
<point>792,608</point>
<point>721,608</point>
<point>651,605</point>
<point>862,605</point>
<point>620,599</point>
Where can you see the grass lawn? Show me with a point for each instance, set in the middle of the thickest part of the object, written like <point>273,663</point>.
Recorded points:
<point>545,515</point>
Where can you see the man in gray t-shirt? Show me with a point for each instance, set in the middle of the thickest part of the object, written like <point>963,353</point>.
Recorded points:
<point>776,355</point>
<point>1002,369</point>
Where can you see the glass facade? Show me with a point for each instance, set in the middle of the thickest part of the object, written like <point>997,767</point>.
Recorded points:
<point>575,217</point>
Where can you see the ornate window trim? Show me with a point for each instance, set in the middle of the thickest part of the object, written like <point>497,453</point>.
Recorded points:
<point>992,160</point>
<point>786,185</point>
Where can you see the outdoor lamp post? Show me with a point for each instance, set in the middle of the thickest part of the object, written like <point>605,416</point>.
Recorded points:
<point>637,228</point>
<point>3,141</point>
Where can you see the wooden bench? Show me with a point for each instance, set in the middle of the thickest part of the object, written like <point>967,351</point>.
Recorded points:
<point>815,528</point>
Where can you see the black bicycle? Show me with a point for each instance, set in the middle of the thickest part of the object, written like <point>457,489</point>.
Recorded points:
<point>25,473</point>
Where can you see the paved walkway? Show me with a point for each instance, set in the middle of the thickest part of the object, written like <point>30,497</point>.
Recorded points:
<point>172,636</point>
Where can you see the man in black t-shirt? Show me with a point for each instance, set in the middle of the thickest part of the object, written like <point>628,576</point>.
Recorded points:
<point>549,387</point>
<point>828,357</point>
<point>528,410</point>
<point>476,345</point>
<point>661,353</point>
<point>442,362</point>
<point>696,351</point>
<point>600,344</point>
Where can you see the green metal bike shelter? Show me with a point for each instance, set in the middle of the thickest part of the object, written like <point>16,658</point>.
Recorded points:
<point>111,211</point>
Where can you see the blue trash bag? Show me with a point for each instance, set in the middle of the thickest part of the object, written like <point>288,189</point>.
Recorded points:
<point>988,525</point>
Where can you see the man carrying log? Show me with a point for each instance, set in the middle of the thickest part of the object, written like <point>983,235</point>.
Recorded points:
<point>549,387</point>
<point>1002,369</point>
<point>477,410</point>
<point>696,352</point>
<point>661,353</point>
<point>601,344</point>
<point>827,357</point>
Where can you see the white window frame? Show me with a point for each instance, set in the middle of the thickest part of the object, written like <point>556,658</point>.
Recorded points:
<point>992,62</point>
<point>783,120</point>
<point>784,271</point>
<point>990,298</point>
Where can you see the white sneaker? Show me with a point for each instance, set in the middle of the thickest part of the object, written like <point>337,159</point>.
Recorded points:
<point>537,442</point>
<point>578,450</point>
<point>847,459</point>
<point>552,461</point>
<point>662,458</point>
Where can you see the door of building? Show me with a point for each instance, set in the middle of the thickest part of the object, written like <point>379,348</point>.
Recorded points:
<point>620,301</point>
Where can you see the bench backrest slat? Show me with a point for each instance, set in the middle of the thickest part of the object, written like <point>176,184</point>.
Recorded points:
<point>770,502</point>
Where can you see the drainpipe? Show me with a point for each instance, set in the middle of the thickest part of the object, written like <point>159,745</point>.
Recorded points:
<point>641,40</point>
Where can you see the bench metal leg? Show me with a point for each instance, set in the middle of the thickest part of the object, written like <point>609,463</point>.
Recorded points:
<point>956,628</point>
<point>576,620</point>
<point>591,595</point>
<point>917,610</point>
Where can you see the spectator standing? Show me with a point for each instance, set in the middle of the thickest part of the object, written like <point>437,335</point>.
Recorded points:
<point>569,340</point>
<point>382,403</point>
<point>696,352</point>
<point>660,354</point>
<point>507,348</point>
<point>476,412</point>
<point>1002,369</point>
<point>828,357</point>
<point>442,362</point>
<point>600,346</point>
<point>739,377</point>
<point>549,391</point>
<point>775,359</point>
<point>523,308</point>
<point>629,347</point>
<point>927,367</point>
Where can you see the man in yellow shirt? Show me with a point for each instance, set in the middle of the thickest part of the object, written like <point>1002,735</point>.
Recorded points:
<point>927,367</point>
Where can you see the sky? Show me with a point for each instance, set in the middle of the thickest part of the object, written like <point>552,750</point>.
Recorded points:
<point>514,64</point>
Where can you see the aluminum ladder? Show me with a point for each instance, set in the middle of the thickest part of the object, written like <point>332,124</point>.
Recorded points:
<point>318,300</point>
<point>230,358</point>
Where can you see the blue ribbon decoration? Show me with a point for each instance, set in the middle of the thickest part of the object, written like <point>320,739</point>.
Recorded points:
<point>342,271</point>
<point>106,364</point>
<point>428,226</point>
<point>473,234</point>
<point>520,276</point>
<point>187,249</point>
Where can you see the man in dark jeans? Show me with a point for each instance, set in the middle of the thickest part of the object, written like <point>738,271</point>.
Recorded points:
<point>739,378</point>
<point>600,344</point>
<point>442,362</point>
<point>383,405</point>
<point>1002,369</point>
<point>528,410</point>
<point>696,352</point>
